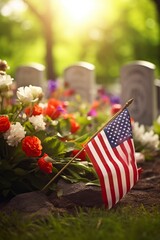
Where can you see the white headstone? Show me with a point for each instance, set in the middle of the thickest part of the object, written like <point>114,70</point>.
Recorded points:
<point>157,85</point>
<point>32,74</point>
<point>137,82</point>
<point>81,78</point>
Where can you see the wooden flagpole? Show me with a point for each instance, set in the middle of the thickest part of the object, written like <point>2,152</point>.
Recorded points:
<point>67,164</point>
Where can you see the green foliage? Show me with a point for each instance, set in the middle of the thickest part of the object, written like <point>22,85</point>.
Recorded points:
<point>156,127</point>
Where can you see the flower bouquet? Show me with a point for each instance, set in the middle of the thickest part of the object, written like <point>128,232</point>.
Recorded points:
<point>38,137</point>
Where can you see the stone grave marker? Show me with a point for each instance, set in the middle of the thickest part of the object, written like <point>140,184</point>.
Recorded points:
<point>81,78</point>
<point>137,82</point>
<point>157,85</point>
<point>32,74</point>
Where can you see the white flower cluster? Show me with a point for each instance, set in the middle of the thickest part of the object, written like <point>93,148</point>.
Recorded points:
<point>26,95</point>
<point>15,134</point>
<point>29,94</point>
<point>146,138</point>
<point>38,122</point>
<point>5,81</point>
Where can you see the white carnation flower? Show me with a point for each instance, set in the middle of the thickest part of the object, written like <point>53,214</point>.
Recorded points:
<point>24,95</point>
<point>5,81</point>
<point>15,134</point>
<point>151,139</point>
<point>38,122</point>
<point>146,138</point>
<point>29,94</point>
<point>36,92</point>
<point>138,131</point>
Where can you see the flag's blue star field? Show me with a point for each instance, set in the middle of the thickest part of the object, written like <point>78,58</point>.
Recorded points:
<point>119,129</point>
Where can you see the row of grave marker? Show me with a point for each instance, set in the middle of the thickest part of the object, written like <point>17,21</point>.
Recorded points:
<point>136,78</point>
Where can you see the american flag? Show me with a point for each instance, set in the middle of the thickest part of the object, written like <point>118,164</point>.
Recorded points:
<point>113,156</point>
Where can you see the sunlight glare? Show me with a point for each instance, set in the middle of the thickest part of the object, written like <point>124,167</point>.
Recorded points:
<point>79,11</point>
<point>13,6</point>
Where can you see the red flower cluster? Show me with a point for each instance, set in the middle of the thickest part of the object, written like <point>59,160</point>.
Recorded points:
<point>4,124</point>
<point>32,147</point>
<point>44,165</point>
<point>54,108</point>
<point>74,125</point>
<point>33,111</point>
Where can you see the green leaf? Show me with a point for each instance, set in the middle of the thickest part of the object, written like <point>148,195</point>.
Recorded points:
<point>82,139</point>
<point>63,127</point>
<point>53,146</point>
<point>20,171</point>
<point>156,127</point>
<point>29,127</point>
<point>70,179</point>
<point>93,183</point>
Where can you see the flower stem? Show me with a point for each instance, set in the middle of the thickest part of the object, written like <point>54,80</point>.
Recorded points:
<point>2,102</point>
<point>20,110</point>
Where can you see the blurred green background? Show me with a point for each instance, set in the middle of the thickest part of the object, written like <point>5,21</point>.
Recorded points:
<point>57,33</point>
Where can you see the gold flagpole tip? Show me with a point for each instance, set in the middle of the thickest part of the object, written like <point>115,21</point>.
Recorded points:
<point>129,102</point>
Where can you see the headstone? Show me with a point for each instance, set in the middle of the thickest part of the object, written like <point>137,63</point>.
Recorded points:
<point>157,85</point>
<point>32,74</point>
<point>81,78</point>
<point>137,82</point>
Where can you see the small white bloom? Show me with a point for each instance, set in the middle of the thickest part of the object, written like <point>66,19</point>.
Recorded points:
<point>29,94</point>
<point>43,105</point>
<point>146,138</point>
<point>151,140</point>
<point>38,122</point>
<point>36,92</point>
<point>15,134</point>
<point>24,95</point>
<point>5,81</point>
<point>138,131</point>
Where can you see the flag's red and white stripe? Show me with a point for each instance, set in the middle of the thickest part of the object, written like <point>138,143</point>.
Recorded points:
<point>116,167</point>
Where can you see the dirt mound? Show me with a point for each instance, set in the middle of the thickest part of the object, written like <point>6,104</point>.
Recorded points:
<point>147,190</point>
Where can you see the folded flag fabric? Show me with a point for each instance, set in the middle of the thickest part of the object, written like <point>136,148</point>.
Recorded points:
<point>113,156</point>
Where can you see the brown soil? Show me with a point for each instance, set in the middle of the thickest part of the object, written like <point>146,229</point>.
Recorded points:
<point>145,193</point>
<point>147,190</point>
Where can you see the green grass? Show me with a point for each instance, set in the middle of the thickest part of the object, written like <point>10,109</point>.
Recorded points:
<point>124,224</point>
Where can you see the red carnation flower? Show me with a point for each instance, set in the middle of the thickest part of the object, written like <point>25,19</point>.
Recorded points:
<point>52,112</point>
<point>32,147</point>
<point>44,165</point>
<point>74,125</point>
<point>4,124</point>
<point>81,155</point>
<point>54,108</point>
<point>33,111</point>
<point>115,108</point>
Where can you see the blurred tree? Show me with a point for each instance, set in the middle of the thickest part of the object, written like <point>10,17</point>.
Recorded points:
<point>118,32</point>
<point>19,40</point>
<point>157,3</point>
<point>131,34</point>
<point>45,17</point>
